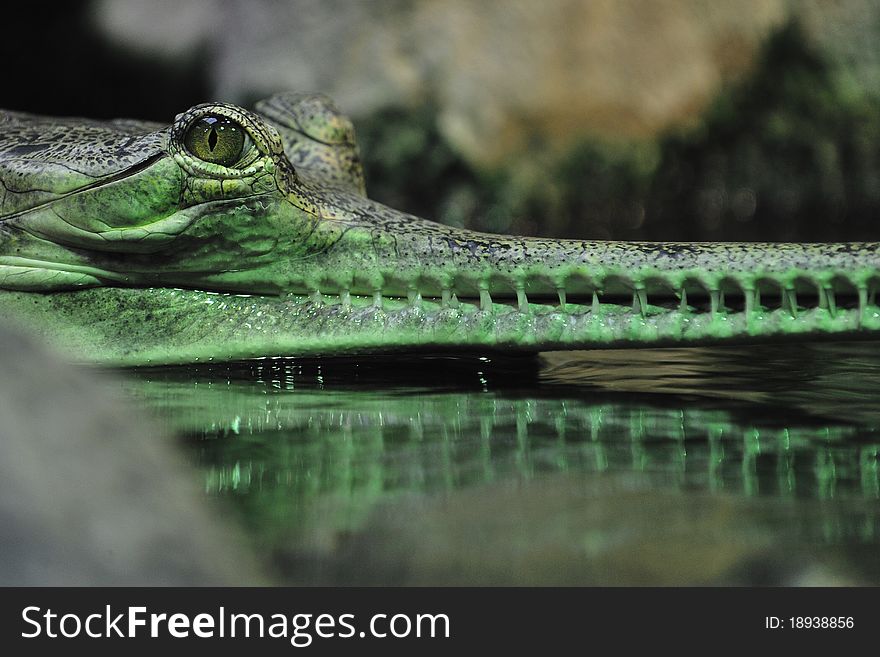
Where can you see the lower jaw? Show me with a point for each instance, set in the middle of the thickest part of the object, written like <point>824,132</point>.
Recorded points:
<point>158,326</point>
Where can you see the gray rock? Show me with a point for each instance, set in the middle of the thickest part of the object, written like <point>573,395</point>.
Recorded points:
<point>562,530</point>
<point>91,493</point>
<point>504,74</point>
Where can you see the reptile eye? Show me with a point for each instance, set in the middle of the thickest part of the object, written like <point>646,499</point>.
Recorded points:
<point>215,139</point>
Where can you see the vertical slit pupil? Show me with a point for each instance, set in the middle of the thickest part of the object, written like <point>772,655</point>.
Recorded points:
<point>213,138</point>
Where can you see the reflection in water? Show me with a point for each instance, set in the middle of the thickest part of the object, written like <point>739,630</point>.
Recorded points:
<point>816,378</point>
<point>501,472</point>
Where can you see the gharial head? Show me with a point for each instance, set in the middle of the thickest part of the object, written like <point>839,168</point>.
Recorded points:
<point>272,202</point>
<point>212,201</point>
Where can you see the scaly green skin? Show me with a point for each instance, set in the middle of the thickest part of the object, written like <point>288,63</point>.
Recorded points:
<point>283,254</point>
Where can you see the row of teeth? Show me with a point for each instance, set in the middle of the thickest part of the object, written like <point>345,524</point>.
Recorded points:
<point>826,299</point>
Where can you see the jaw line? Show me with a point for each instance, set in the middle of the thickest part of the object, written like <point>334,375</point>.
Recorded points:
<point>161,326</point>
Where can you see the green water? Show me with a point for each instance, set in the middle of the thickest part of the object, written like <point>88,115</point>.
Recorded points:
<point>676,466</point>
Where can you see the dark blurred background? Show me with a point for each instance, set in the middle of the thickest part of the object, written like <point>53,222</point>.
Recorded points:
<point>609,119</point>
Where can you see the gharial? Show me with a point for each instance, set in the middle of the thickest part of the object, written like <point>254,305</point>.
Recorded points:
<point>234,234</point>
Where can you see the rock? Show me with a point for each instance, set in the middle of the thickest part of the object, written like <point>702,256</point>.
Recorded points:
<point>602,119</point>
<point>563,530</point>
<point>91,493</point>
<point>503,73</point>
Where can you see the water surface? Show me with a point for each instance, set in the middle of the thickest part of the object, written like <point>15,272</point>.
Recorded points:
<point>665,466</point>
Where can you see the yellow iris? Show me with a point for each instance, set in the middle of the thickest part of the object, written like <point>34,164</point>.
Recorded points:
<point>215,139</point>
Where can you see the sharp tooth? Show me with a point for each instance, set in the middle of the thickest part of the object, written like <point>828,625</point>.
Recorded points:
<point>317,297</point>
<point>485,300</point>
<point>863,301</point>
<point>445,297</point>
<point>715,301</point>
<point>595,306</point>
<point>377,298</point>
<point>522,301</point>
<point>345,298</point>
<point>749,296</point>
<point>683,304</point>
<point>640,301</point>
<point>832,301</point>
<point>560,291</point>
<point>415,299</point>
<point>790,301</point>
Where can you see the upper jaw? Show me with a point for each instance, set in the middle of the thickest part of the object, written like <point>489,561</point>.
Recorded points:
<point>405,256</point>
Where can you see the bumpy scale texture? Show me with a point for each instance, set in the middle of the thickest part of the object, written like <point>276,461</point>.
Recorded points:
<point>120,245</point>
